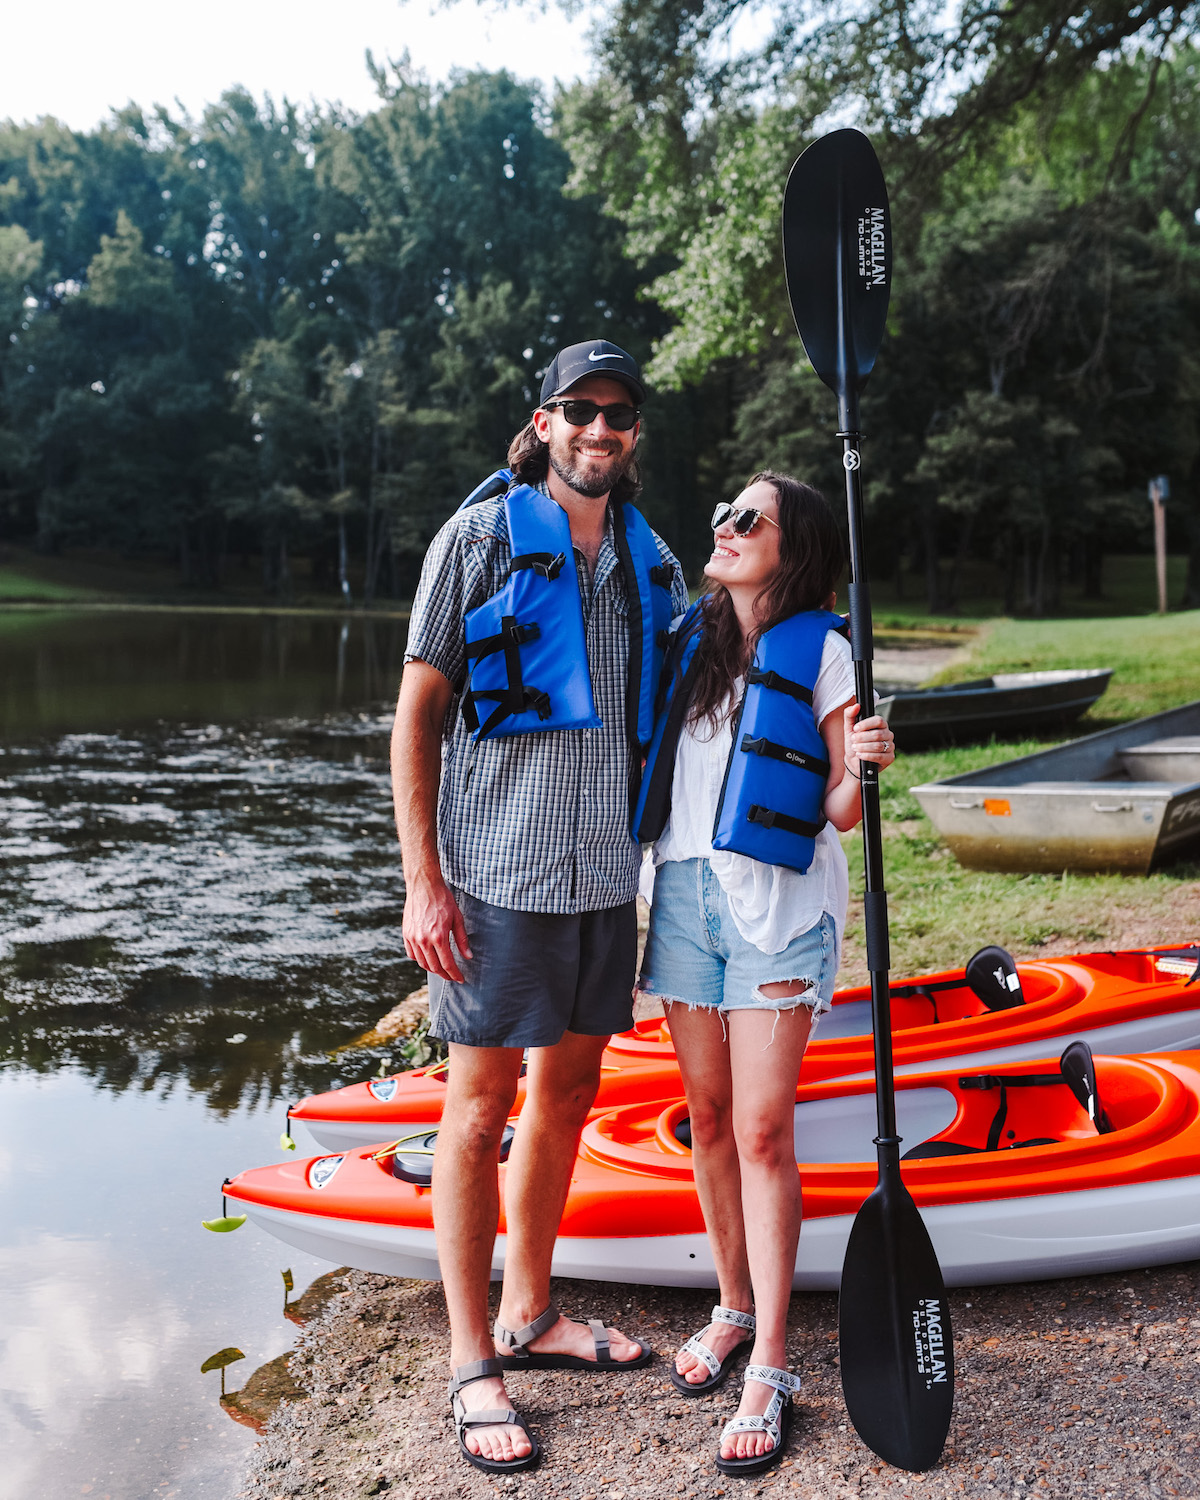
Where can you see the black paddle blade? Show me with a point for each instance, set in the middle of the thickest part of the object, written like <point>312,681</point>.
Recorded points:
<point>993,976</point>
<point>896,1343</point>
<point>835,196</point>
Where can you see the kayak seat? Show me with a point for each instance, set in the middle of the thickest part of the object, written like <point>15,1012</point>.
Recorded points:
<point>928,1149</point>
<point>1076,1071</point>
<point>412,1157</point>
<point>990,975</point>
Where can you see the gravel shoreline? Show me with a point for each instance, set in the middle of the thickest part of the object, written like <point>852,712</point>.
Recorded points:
<point>1081,1387</point>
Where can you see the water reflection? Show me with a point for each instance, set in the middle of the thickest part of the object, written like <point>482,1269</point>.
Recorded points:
<point>200,904</point>
<point>103,668</point>
<point>219,905</point>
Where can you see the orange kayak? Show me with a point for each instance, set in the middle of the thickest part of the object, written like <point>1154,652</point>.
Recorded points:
<point>1117,1002</point>
<point>1015,1179</point>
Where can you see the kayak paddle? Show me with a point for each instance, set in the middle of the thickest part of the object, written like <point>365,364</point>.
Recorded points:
<point>896,1346</point>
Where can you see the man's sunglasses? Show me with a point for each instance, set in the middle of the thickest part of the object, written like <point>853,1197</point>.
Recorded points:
<point>583,413</point>
<point>744,518</point>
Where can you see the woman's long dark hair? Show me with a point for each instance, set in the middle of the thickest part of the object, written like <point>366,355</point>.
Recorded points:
<point>811,558</point>
<point>529,459</point>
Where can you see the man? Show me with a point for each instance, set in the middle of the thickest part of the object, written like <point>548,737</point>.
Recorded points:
<point>520,892</point>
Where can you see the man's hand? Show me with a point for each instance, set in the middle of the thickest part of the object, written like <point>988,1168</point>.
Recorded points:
<point>431,919</point>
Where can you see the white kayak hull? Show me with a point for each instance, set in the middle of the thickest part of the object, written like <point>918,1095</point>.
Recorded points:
<point>1001,1240</point>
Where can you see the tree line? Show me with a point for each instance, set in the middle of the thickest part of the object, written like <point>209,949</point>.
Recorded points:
<point>310,332</point>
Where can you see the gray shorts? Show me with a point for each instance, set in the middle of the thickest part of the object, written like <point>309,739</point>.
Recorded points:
<point>533,976</point>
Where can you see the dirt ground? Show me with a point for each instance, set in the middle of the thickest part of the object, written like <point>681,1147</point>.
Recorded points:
<point>1084,1387</point>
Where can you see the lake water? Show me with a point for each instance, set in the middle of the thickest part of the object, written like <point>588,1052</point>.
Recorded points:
<point>200,903</point>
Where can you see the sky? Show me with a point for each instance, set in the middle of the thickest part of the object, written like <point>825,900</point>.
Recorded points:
<point>101,56</point>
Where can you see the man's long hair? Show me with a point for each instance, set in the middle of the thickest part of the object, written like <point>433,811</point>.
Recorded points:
<point>811,558</point>
<point>529,459</point>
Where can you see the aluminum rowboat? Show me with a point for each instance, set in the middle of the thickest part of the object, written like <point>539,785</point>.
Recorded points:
<point>1123,799</point>
<point>1008,704</point>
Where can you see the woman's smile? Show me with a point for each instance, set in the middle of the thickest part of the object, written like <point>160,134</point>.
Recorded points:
<point>745,564</point>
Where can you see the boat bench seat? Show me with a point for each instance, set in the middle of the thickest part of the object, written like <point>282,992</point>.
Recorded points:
<point>1077,1071</point>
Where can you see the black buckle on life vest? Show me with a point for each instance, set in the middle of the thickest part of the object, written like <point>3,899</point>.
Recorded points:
<point>787,754</point>
<point>770,818</point>
<point>546,564</point>
<point>512,634</point>
<point>663,575</point>
<point>778,684</point>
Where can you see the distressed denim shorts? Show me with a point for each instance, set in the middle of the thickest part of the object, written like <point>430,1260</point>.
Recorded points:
<point>696,955</point>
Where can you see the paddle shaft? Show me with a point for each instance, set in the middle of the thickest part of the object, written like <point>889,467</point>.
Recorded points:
<point>896,1342</point>
<point>875,916</point>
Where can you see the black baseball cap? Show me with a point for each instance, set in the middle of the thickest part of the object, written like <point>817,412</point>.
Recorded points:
<point>595,357</point>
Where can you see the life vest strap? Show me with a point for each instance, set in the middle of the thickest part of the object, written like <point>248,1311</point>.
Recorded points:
<point>513,634</point>
<point>793,757</point>
<point>517,697</point>
<point>547,564</point>
<point>773,680</point>
<point>663,575</point>
<point>530,698</point>
<point>769,818</point>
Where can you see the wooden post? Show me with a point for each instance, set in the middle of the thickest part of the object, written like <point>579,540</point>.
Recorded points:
<point>1159,490</point>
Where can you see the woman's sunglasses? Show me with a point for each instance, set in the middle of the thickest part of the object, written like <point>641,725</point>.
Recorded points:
<point>743,518</point>
<point>583,413</point>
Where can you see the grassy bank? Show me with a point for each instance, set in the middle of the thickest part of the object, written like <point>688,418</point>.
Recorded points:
<point>1128,587</point>
<point>940,913</point>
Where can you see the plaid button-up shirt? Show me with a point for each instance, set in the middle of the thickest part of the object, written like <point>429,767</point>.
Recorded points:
<point>531,822</point>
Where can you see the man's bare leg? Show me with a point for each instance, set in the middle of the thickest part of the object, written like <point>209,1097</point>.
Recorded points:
<point>481,1087</point>
<point>560,1088</point>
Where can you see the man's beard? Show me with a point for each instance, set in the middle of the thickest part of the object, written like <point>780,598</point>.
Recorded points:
<point>585,476</point>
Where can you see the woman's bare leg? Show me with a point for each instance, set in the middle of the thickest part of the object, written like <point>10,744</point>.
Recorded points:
<point>766,1048</point>
<point>703,1052</point>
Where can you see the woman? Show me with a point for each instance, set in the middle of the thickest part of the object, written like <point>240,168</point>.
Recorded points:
<point>754,770</point>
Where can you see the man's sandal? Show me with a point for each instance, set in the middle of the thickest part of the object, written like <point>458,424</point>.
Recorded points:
<point>718,1370</point>
<point>501,1416</point>
<point>776,1422</point>
<point>520,1357</point>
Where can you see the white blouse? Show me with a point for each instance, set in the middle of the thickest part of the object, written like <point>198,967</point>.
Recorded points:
<point>771,904</point>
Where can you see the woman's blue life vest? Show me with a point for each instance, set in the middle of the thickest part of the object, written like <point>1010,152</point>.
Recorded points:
<point>771,803</point>
<point>527,665</point>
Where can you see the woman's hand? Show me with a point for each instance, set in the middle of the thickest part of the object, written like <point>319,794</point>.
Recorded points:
<point>870,740</point>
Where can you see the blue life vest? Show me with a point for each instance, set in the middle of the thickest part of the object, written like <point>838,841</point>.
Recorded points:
<point>771,800</point>
<point>527,665</point>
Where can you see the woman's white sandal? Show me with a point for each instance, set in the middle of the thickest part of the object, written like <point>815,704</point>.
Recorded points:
<point>776,1422</point>
<point>718,1369</point>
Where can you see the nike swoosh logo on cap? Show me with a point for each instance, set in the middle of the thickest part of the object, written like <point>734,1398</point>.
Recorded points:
<point>603,356</point>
